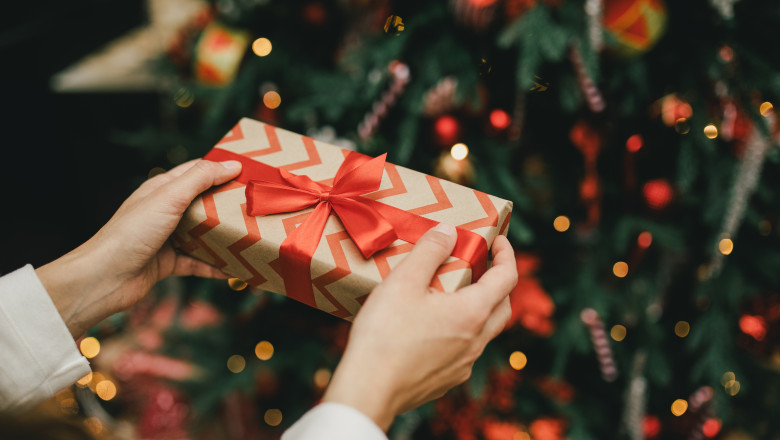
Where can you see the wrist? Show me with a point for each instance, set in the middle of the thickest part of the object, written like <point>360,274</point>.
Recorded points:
<point>373,398</point>
<point>78,288</point>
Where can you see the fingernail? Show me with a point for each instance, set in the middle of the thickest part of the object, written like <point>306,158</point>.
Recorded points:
<point>231,164</point>
<point>445,229</point>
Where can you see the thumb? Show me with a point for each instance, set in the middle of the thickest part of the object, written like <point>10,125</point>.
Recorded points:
<point>198,178</point>
<point>431,250</point>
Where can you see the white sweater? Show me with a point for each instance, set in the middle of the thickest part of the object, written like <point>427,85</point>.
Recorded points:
<point>40,358</point>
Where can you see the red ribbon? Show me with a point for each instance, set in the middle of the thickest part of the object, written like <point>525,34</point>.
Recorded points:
<point>372,225</point>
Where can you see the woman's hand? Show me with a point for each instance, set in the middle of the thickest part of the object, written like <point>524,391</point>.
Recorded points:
<point>119,265</point>
<point>410,343</point>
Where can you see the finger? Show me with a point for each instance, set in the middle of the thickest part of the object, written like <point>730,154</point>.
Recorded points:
<point>151,184</point>
<point>500,279</point>
<point>415,272</point>
<point>200,176</point>
<point>188,266</point>
<point>496,323</point>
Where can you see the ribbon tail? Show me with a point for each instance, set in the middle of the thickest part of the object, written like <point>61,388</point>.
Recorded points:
<point>296,252</point>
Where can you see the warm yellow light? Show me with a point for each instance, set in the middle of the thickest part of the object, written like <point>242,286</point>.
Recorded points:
<point>726,246</point>
<point>236,284</point>
<point>518,360</point>
<point>620,269</point>
<point>105,389</point>
<point>732,387</point>
<point>711,131</point>
<point>727,377</point>
<point>765,108</point>
<point>321,378</point>
<point>272,99</point>
<point>459,151</point>
<point>236,363</point>
<point>84,381</point>
<point>679,407</point>
<point>94,425</point>
<point>90,347</point>
<point>618,332</point>
<point>261,47</point>
<point>273,417</point>
<point>184,97</point>
<point>561,223</point>
<point>682,328</point>
<point>264,350</point>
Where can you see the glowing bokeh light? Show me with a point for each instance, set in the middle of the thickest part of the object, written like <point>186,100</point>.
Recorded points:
<point>561,223</point>
<point>236,363</point>
<point>90,347</point>
<point>105,389</point>
<point>726,246</point>
<point>711,427</point>
<point>618,332</point>
<point>766,108</point>
<point>679,407</point>
<point>272,99</point>
<point>634,143</point>
<point>261,47</point>
<point>620,269</point>
<point>237,284</point>
<point>273,417</point>
<point>499,119</point>
<point>518,360</point>
<point>322,378</point>
<point>754,326</point>
<point>682,328</point>
<point>264,350</point>
<point>711,131</point>
<point>459,151</point>
<point>645,239</point>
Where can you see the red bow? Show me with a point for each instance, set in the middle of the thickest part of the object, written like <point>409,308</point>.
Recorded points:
<point>370,231</point>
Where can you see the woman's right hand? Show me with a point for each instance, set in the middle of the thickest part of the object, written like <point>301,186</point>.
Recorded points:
<point>409,343</point>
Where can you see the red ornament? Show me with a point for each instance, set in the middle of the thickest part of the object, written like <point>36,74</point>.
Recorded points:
<point>531,306</point>
<point>651,426</point>
<point>499,119</point>
<point>754,326</point>
<point>634,143</point>
<point>711,428</point>
<point>658,193</point>
<point>447,129</point>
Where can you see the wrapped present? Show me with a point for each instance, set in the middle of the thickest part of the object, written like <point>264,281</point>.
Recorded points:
<point>325,225</point>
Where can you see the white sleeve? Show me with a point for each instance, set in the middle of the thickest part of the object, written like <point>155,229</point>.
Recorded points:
<point>334,421</point>
<point>39,355</point>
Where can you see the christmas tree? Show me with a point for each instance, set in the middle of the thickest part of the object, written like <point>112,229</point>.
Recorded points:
<point>637,140</point>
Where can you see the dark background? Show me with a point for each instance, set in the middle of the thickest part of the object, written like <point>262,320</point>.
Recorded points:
<point>62,175</point>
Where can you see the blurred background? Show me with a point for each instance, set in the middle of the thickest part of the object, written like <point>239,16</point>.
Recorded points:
<point>636,138</point>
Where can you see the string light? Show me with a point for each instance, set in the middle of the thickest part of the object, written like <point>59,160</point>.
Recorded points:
<point>634,143</point>
<point>679,407</point>
<point>105,389</point>
<point>518,360</point>
<point>754,326</point>
<point>322,378</point>
<point>561,223</point>
<point>645,239</point>
<point>273,417</point>
<point>711,428</point>
<point>272,99</point>
<point>726,246</point>
<point>90,347</point>
<point>447,129</point>
<point>620,269</point>
<point>682,328</point>
<point>264,350</point>
<point>236,363</point>
<point>84,381</point>
<point>765,108</point>
<point>732,387</point>
<point>459,151</point>
<point>711,131</point>
<point>237,284</point>
<point>261,47</point>
<point>618,332</point>
<point>727,377</point>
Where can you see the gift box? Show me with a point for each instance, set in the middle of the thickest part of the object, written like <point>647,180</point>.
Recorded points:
<point>325,225</point>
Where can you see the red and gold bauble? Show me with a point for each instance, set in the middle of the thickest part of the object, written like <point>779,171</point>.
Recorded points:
<point>634,25</point>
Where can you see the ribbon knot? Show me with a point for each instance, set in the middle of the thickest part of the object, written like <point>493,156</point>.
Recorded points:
<point>325,196</point>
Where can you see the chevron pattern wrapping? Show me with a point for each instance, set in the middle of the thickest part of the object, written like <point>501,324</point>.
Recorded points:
<point>217,229</point>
